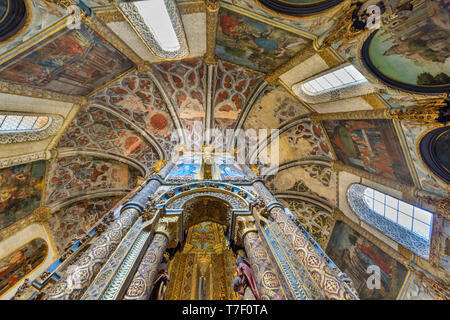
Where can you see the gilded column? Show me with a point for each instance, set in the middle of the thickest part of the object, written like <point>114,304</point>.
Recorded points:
<point>212,14</point>
<point>267,281</point>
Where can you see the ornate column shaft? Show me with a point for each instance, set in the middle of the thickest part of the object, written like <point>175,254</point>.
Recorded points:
<point>266,278</point>
<point>212,14</point>
<point>273,76</point>
<point>142,283</point>
<point>79,276</point>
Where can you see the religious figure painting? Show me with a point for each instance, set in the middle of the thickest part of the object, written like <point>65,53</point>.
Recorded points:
<point>20,191</point>
<point>20,263</point>
<point>229,170</point>
<point>369,145</point>
<point>354,254</point>
<point>187,168</point>
<point>246,41</point>
<point>73,62</point>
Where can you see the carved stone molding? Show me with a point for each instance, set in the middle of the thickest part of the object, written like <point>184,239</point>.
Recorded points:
<point>212,18</point>
<point>273,76</point>
<point>109,16</point>
<point>191,7</point>
<point>427,114</point>
<point>16,160</point>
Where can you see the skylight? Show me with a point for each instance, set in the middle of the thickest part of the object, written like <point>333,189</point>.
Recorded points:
<point>340,78</point>
<point>156,17</point>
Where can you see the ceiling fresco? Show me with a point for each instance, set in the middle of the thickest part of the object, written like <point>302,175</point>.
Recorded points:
<point>69,177</point>
<point>74,62</point>
<point>254,44</point>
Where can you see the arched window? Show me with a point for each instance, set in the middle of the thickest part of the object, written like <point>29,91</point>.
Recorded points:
<point>406,224</point>
<point>23,127</point>
<point>9,123</point>
<point>340,78</point>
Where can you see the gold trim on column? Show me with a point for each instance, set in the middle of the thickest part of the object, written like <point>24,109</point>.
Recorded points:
<point>374,101</point>
<point>109,16</point>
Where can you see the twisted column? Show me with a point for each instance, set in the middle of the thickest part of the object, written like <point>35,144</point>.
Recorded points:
<point>266,278</point>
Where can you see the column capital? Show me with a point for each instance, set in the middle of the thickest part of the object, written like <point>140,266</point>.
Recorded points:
<point>170,228</point>
<point>244,225</point>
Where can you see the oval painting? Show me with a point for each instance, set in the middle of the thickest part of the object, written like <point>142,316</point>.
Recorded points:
<point>18,264</point>
<point>412,51</point>
<point>435,152</point>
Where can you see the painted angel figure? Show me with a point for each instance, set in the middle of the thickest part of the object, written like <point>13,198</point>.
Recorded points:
<point>245,278</point>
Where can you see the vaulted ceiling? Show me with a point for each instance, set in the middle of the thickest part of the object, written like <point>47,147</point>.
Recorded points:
<point>121,104</point>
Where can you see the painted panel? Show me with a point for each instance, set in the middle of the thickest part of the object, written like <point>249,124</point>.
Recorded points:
<point>353,254</point>
<point>233,87</point>
<point>414,47</point>
<point>74,62</point>
<point>255,44</point>
<point>137,96</point>
<point>185,81</point>
<point>317,180</point>
<point>21,262</point>
<point>20,191</point>
<point>369,145</point>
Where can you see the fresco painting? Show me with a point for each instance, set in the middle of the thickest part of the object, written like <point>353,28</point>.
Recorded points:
<point>414,48</point>
<point>15,266</point>
<point>254,44</point>
<point>369,145</point>
<point>20,191</point>
<point>74,62</point>
<point>353,254</point>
